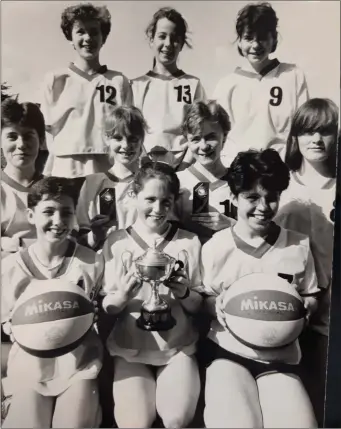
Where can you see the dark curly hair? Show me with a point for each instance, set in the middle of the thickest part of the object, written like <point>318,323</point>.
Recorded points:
<point>316,114</point>
<point>263,167</point>
<point>259,19</point>
<point>23,114</point>
<point>199,111</point>
<point>86,12</point>
<point>156,170</point>
<point>171,15</point>
<point>52,188</point>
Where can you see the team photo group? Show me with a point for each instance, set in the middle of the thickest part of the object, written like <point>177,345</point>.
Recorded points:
<point>166,256</point>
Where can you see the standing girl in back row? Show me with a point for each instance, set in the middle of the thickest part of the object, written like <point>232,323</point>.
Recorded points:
<point>263,94</point>
<point>163,93</point>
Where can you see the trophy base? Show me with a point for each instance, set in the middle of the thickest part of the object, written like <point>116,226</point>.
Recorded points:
<point>155,321</point>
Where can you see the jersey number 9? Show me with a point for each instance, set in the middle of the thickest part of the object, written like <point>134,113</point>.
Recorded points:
<point>276,93</point>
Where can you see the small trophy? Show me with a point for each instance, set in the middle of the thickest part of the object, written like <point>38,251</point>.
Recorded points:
<point>155,267</point>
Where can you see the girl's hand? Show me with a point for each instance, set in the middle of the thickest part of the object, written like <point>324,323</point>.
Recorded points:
<point>215,221</point>
<point>219,308</point>
<point>99,226</point>
<point>7,328</point>
<point>10,244</point>
<point>310,304</point>
<point>178,283</point>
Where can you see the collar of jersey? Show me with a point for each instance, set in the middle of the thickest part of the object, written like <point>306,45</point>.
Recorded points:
<point>141,233</point>
<point>258,252</point>
<point>200,172</point>
<point>176,75</point>
<point>17,186</point>
<point>247,73</point>
<point>103,69</point>
<point>328,185</point>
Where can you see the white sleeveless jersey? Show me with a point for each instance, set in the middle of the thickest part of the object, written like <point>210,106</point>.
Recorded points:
<point>74,104</point>
<point>89,200</point>
<point>51,376</point>
<point>162,101</point>
<point>14,221</point>
<point>261,105</point>
<point>226,258</point>
<point>126,339</point>
<point>307,209</point>
<point>219,195</point>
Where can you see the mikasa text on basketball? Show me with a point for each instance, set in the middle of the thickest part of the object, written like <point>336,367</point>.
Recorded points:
<point>43,307</point>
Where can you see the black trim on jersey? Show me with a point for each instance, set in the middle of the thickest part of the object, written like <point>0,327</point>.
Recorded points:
<point>102,69</point>
<point>17,186</point>
<point>175,75</point>
<point>328,185</point>
<point>138,240</point>
<point>258,252</point>
<point>273,64</point>
<point>202,178</point>
<point>34,270</point>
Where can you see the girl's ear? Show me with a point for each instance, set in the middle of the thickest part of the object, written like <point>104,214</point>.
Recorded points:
<point>30,216</point>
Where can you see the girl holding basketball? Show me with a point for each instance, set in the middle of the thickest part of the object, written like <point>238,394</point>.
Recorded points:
<point>58,391</point>
<point>262,95</point>
<point>306,206</point>
<point>163,93</point>
<point>246,386</point>
<point>154,371</point>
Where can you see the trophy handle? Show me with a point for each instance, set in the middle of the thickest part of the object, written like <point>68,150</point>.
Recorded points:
<point>182,261</point>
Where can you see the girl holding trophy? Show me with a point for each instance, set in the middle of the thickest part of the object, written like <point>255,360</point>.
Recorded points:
<point>153,347</point>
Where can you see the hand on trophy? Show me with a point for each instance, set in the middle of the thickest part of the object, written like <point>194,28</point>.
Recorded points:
<point>178,281</point>
<point>131,283</point>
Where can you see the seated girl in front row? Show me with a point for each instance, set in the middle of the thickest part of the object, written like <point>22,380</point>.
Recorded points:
<point>246,387</point>
<point>62,391</point>
<point>153,371</point>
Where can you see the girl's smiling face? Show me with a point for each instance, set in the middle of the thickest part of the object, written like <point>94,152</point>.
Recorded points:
<point>87,39</point>
<point>166,43</point>
<point>20,145</point>
<point>316,146</point>
<point>124,149</point>
<point>207,146</point>
<point>154,203</point>
<point>256,48</point>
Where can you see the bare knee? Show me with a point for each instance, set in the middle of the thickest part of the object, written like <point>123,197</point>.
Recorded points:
<point>127,418</point>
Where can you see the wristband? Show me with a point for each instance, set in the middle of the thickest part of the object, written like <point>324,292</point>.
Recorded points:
<point>186,294</point>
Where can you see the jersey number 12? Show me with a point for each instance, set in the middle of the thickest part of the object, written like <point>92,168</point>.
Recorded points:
<point>110,90</point>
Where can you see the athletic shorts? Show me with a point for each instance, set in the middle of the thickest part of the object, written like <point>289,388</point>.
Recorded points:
<point>209,351</point>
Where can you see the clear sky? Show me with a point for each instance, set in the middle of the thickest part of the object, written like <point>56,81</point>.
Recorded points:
<point>32,42</point>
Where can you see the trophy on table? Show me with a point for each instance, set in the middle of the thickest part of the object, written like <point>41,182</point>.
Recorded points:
<point>155,267</point>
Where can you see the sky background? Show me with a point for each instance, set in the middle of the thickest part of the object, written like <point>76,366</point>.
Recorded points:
<point>32,42</point>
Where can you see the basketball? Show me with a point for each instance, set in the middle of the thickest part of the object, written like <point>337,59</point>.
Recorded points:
<point>51,318</point>
<point>264,311</point>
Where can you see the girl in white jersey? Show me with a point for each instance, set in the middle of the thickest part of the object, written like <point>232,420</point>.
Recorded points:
<point>22,136</point>
<point>306,206</point>
<point>61,391</point>
<point>163,93</point>
<point>124,130</point>
<point>205,126</point>
<point>154,371</point>
<point>245,386</point>
<point>263,94</point>
<point>76,99</point>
